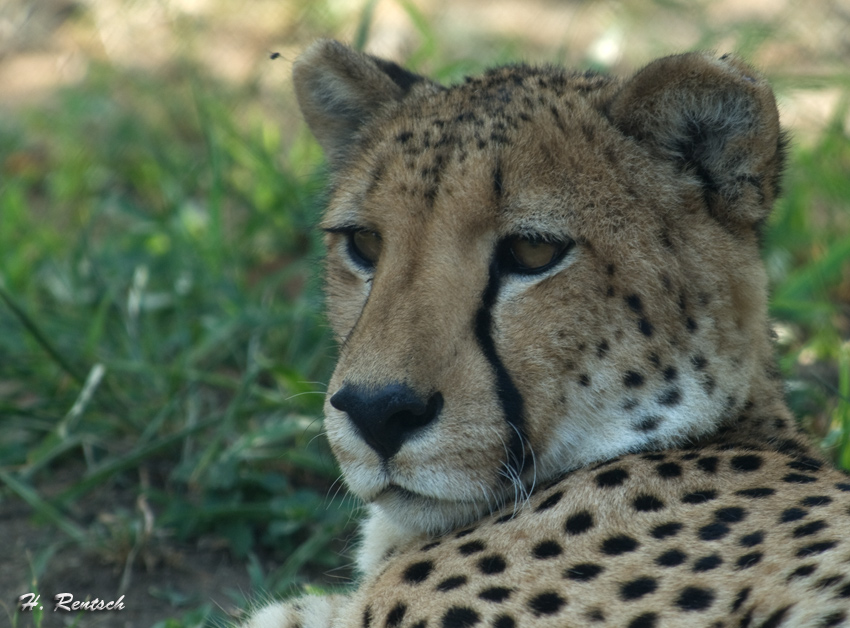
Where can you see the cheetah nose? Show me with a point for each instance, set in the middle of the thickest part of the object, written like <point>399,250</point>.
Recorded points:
<point>388,416</point>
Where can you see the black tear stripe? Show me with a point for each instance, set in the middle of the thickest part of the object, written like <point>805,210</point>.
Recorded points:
<point>509,397</point>
<point>498,186</point>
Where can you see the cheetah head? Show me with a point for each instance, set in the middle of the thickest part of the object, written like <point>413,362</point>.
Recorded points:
<point>535,269</point>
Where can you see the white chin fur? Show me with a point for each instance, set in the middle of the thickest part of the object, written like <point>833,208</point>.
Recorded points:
<point>425,515</point>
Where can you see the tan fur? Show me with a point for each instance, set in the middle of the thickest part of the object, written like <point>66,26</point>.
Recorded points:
<point>649,335</point>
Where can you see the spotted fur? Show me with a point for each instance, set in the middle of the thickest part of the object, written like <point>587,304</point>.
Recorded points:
<point>600,439</point>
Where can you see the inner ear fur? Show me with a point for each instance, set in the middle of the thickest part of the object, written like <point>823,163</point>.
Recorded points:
<point>339,90</point>
<point>716,119</point>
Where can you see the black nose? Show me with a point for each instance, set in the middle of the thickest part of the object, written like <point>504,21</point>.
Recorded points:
<point>388,416</point>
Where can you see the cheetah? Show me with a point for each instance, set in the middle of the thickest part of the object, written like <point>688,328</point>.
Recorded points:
<point>556,391</point>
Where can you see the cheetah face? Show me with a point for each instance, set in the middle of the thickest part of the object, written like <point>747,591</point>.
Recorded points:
<point>535,270</point>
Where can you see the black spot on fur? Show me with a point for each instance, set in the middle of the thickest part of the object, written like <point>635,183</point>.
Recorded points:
<point>634,303</point>
<point>602,348</point>
<point>638,588</point>
<point>396,615</point>
<point>620,544</point>
<point>756,493</point>
<point>632,379</point>
<point>579,523</point>
<point>669,470</point>
<point>699,362</point>
<point>671,558</point>
<point>745,463</point>
<point>451,583</point>
<point>547,549</point>
<point>460,617</point>
<point>649,423</point>
<point>547,603</point>
<point>708,464</point>
<point>776,618</point>
<point>550,501</point>
<point>583,572</point>
<point>695,599</point>
<point>647,503</point>
<point>612,477</point>
<point>806,463</point>
<point>418,572</point>
<point>644,620</point>
<point>731,514</point>
<point>833,619</point>
<point>492,564</point>
<point>808,529</point>
<point>707,563</point>
<point>495,594</point>
<point>670,397</point>
<point>645,327</point>
<point>816,500</point>
<point>742,596</point>
<point>748,560</point>
<point>751,540</point>
<point>713,531</point>
<point>504,621</point>
<point>699,497</point>
<point>471,548</point>
<point>799,478</point>
<point>802,572</point>
<point>670,373</point>
<point>829,581</point>
<point>665,530</point>
<point>792,514</point>
<point>815,548</point>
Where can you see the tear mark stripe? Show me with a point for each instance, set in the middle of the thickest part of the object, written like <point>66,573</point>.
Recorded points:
<point>509,396</point>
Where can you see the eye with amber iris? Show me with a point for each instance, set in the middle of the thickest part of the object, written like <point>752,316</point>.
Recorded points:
<point>364,247</point>
<point>531,255</point>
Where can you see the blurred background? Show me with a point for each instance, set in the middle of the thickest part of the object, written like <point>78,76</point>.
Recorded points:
<point>163,355</point>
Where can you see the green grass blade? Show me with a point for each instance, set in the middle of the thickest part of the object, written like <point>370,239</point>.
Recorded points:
<point>41,338</point>
<point>361,36</point>
<point>49,512</point>
<point>104,472</point>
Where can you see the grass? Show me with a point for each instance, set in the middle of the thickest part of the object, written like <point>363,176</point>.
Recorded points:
<point>161,327</point>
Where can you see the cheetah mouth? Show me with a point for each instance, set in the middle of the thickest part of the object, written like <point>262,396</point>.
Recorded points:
<point>399,491</point>
<point>393,493</point>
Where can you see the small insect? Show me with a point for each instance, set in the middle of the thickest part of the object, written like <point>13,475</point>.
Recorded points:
<point>274,55</point>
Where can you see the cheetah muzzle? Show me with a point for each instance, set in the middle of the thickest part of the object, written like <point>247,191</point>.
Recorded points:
<point>556,392</point>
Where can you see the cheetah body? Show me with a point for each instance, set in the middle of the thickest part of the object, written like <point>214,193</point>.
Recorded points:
<point>556,391</point>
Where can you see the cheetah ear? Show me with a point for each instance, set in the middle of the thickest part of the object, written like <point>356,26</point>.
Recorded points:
<point>339,90</point>
<point>716,119</point>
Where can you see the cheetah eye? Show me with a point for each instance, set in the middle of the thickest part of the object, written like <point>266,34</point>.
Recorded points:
<point>533,255</point>
<point>364,247</point>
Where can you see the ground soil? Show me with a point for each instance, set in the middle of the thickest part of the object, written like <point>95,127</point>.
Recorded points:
<point>166,580</point>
